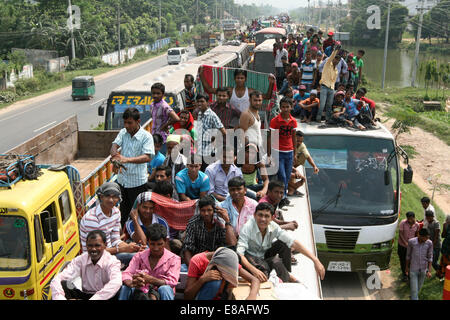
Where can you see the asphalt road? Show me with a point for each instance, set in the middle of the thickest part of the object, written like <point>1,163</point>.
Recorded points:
<point>17,125</point>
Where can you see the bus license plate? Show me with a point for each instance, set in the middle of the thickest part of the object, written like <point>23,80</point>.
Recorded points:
<point>340,266</point>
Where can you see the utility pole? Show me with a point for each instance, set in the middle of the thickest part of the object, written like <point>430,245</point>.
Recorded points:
<point>118,28</point>
<point>416,55</point>
<point>71,30</point>
<point>197,13</point>
<point>309,12</point>
<point>160,19</point>
<point>320,13</point>
<point>386,43</point>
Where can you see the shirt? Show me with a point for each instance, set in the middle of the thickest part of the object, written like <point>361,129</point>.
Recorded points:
<point>406,232</point>
<point>341,66</point>
<point>329,72</point>
<point>130,229</point>
<point>167,269</point>
<point>95,219</point>
<point>190,188</point>
<point>189,97</point>
<point>359,63</point>
<point>238,219</point>
<point>307,71</point>
<point>156,162</point>
<point>434,229</point>
<point>160,116</point>
<point>302,154</point>
<point>251,241</point>
<point>419,254</point>
<point>286,129</point>
<point>280,54</point>
<point>338,106</point>
<point>199,239</point>
<point>134,146</point>
<point>351,108</point>
<point>218,179</point>
<point>103,279</point>
<point>208,121</point>
<point>227,114</point>
<point>298,97</point>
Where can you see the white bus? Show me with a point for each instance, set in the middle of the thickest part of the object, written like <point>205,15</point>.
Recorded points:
<point>355,197</point>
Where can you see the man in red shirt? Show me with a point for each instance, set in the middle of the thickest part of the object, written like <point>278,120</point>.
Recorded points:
<point>360,95</point>
<point>285,123</point>
<point>329,42</point>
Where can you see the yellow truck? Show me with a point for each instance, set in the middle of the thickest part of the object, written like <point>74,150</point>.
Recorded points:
<point>39,217</point>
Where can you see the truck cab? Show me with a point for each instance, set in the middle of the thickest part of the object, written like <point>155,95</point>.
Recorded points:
<point>38,234</point>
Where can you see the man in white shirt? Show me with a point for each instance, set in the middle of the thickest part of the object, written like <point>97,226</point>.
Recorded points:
<point>280,58</point>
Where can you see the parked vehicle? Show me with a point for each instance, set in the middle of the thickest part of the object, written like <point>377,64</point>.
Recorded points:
<point>83,87</point>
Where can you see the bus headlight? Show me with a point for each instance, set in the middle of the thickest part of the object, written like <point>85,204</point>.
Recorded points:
<point>381,245</point>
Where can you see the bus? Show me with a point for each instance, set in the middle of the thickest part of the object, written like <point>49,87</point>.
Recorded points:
<point>241,49</point>
<point>137,93</point>
<point>263,59</point>
<point>269,33</point>
<point>355,197</point>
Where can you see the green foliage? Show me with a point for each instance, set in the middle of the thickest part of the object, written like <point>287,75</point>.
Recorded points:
<point>85,64</point>
<point>7,96</point>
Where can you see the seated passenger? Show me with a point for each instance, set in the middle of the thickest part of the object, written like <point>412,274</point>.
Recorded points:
<point>239,207</point>
<point>261,240</point>
<point>212,275</point>
<point>338,116</point>
<point>299,97</point>
<point>206,232</point>
<point>174,158</point>
<point>185,125</point>
<point>221,172</point>
<point>351,110</point>
<point>361,95</point>
<point>99,271</point>
<point>309,107</point>
<point>191,183</point>
<point>251,169</point>
<point>228,115</point>
<point>157,160</point>
<point>153,273</point>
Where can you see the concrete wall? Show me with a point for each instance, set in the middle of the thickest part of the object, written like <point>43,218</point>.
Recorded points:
<point>57,64</point>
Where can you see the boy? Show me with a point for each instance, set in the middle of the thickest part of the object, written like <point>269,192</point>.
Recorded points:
<point>339,110</point>
<point>359,64</point>
<point>309,107</point>
<point>284,152</point>
<point>351,110</point>
<point>162,114</point>
<point>226,113</point>
<point>191,183</point>
<point>157,160</point>
<point>300,96</point>
<point>189,93</point>
<point>307,71</point>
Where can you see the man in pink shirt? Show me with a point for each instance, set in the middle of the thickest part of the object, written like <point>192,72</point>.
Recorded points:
<point>408,229</point>
<point>99,271</point>
<point>153,273</point>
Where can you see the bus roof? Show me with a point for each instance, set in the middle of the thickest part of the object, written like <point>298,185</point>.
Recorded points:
<point>316,129</point>
<point>265,46</point>
<point>214,58</point>
<point>168,75</point>
<point>280,31</point>
<point>230,48</point>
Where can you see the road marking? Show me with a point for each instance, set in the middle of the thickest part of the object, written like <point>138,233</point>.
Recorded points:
<point>97,101</point>
<point>47,125</point>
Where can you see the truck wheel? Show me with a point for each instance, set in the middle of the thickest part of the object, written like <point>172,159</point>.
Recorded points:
<point>73,98</point>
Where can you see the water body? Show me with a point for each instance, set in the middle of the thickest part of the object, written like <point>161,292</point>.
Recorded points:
<point>399,65</point>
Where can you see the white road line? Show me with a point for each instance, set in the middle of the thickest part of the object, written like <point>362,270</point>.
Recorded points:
<point>97,101</point>
<point>47,125</point>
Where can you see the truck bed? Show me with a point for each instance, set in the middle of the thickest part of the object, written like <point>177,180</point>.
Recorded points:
<point>86,165</point>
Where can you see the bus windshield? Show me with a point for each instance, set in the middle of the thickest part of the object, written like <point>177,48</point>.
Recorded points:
<point>351,180</point>
<point>14,244</point>
<point>121,102</point>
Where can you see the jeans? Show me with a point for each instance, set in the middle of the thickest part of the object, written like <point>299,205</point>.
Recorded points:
<point>280,76</point>
<point>284,86</point>
<point>326,101</point>
<point>435,263</point>
<point>165,293</point>
<point>209,290</point>
<point>125,257</point>
<point>402,257</point>
<point>285,163</point>
<point>416,280</point>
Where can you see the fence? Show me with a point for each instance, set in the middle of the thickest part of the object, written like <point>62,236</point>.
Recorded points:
<point>128,54</point>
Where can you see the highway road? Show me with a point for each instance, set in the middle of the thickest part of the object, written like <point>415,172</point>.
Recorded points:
<point>25,119</point>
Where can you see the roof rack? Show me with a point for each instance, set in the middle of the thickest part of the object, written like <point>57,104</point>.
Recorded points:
<point>13,167</point>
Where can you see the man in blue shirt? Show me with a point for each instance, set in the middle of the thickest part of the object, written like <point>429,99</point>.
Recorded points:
<point>191,183</point>
<point>300,96</point>
<point>351,110</point>
<point>157,161</point>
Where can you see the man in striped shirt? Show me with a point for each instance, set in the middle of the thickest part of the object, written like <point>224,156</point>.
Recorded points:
<point>106,217</point>
<point>137,149</point>
<point>307,71</point>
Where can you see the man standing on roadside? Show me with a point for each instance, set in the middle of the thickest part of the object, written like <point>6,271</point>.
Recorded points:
<point>418,261</point>
<point>408,229</point>
<point>329,75</point>
<point>137,149</point>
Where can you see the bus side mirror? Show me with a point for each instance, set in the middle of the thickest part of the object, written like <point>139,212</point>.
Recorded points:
<point>407,175</point>
<point>50,229</point>
<point>101,111</point>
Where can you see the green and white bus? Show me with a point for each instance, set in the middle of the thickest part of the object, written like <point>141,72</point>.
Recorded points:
<point>355,197</point>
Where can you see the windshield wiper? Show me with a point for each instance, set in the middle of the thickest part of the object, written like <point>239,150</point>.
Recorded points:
<point>335,199</point>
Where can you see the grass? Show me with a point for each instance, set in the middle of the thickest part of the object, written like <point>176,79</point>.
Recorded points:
<point>410,150</point>
<point>64,79</point>
<point>432,288</point>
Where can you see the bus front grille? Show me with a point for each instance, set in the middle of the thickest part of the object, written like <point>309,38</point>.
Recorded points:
<point>340,240</point>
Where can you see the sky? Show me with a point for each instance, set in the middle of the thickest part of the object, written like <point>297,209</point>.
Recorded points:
<point>283,4</point>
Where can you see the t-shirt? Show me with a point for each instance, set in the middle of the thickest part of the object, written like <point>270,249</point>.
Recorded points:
<point>338,106</point>
<point>129,225</point>
<point>434,228</point>
<point>351,108</point>
<point>308,71</point>
<point>156,162</point>
<point>359,63</point>
<point>299,98</point>
<point>302,154</point>
<point>191,188</point>
<point>286,129</point>
<point>309,101</point>
<point>278,62</point>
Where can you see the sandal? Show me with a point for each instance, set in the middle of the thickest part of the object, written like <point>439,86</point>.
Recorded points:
<point>293,261</point>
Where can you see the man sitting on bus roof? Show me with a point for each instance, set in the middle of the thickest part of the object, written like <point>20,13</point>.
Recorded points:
<point>264,246</point>
<point>226,113</point>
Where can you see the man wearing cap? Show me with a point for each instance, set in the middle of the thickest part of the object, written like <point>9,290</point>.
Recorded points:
<point>137,149</point>
<point>105,216</point>
<point>339,109</point>
<point>329,42</point>
<point>300,96</point>
<point>330,73</point>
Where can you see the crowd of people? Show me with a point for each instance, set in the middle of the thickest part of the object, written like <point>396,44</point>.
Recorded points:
<point>320,76</point>
<point>133,252</point>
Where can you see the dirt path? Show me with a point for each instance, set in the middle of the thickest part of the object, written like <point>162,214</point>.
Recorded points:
<point>430,161</point>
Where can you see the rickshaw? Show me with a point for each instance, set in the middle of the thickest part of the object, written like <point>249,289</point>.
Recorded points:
<point>83,87</point>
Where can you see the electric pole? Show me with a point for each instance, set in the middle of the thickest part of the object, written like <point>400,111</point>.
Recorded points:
<point>118,28</point>
<point>71,30</point>
<point>386,44</point>
<point>309,12</point>
<point>416,55</point>
<point>197,13</point>
<point>320,13</point>
<point>159,19</point>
